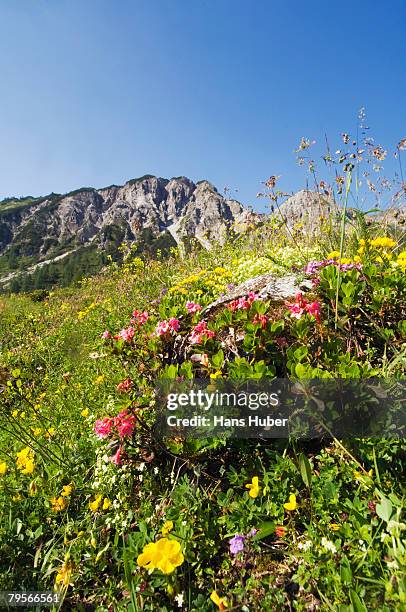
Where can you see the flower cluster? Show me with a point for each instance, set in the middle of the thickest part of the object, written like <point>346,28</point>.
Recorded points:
<point>193,307</point>
<point>25,460</point>
<point>345,264</point>
<point>164,328</point>
<point>200,332</point>
<point>99,503</point>
<point>165,555</point>
<point>243,303</point>
<point>125,385</point>
<point>302,306</point>
<point>123,425</point>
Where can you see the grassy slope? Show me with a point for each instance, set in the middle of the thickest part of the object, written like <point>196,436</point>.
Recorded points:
<point>62,377</point>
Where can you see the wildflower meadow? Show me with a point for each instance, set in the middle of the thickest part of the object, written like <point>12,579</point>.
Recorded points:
<point>98,508</point>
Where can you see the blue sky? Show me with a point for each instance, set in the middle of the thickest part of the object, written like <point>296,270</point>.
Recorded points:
<point>97,92</point>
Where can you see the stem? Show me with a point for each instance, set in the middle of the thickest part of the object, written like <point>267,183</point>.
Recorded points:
<point>342,234</point>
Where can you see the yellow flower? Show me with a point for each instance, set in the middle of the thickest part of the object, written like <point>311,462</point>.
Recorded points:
<point>58,504</point>
<point>334,526</point>
<point>221,602</point>
<point>291,504</point>
<point>253,487</point>
<point>50,432</point>
<point>357,258</point>
<point>333,255</point>
<point>67,490</point>
<point>95,504</point>
<point>99,379</point>
<point>215,375</point>
<point>3,468</point>
<point>345,260</point>
<point>36,431</point>
<point>106,503</point>
<point>382,243</point>
<point>63,574</point>
<point>165,555</point>
<point>85,412</point>
<point>361,242</point>
<point>359,476</point>
<point>168,526</point>
<point>25,460</point>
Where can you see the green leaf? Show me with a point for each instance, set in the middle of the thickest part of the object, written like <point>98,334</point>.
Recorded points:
<point>305,470</point>
<point>384,509</point>
<point>357,604</point>
<point>345,571</point>
<point>265,530</point>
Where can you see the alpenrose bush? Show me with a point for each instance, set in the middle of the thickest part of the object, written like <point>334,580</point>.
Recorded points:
<point>99,509</point>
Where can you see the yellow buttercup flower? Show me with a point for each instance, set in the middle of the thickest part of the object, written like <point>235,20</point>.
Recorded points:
<point>106,503</point>
<point>67,490</point>
<point>382,243</point>
<point>333,255</point>
<point>221,602</point>
<point>85,412</point>
<point>167,528</point>
<point>58,504</point>
<point>291,504</point>
<point>3,468</point>
<point>165,555</point>
<point>253,487</point>
<point>334,526</point>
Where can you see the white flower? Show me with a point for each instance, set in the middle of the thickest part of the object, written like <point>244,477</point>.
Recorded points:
<point>305,545</point>
<point>179,600</point>
<point>327,545</point>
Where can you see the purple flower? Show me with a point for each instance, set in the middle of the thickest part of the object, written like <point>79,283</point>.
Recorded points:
<point>236,544</point>
<point>252,533</point>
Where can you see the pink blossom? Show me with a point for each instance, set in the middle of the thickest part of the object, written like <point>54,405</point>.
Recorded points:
<point>314,310</point>
<point>139,318</point>
<point>127,334</point>
<point>116,458</point>
<point>106,334</point>
<point>174,324</point>
<point>301,306</point>
<point>243,303</point>
<point>261,319</point>
<point>126,427</point>
<point>193,307</point>
<point>200,332</point>
<point>162,328</point>
<point>125,385</point>
<point>102,427</point>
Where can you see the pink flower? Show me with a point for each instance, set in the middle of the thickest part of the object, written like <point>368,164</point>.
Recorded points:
<point>139,318</point>
<point>174,324</point>
<point>301,306</point>
<point>125,385</point>
<point>125,424</point>
<point>192,307</point>
<point>162,328</point>
<point>116,458</point>
<point>106,334</point>
<point>243,303</point>
<point>102,427</point>
<point>314,310</point>
<point>127,334</point>
<point>261,319</point>
<point>200,332</point>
